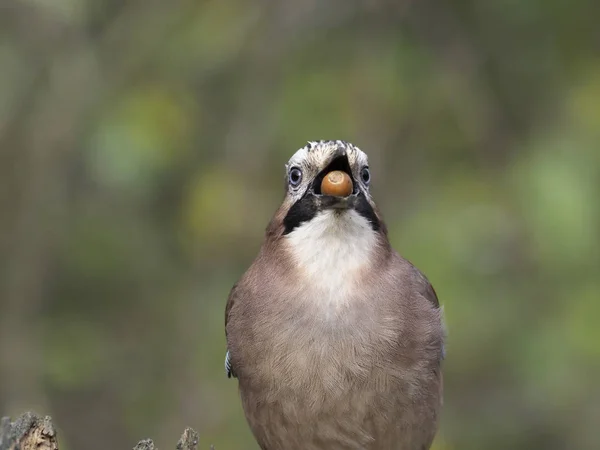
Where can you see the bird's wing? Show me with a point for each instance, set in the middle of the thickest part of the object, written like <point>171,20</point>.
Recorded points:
<point>427,291</point>
<point>431,295</point>
<point>230,303</point>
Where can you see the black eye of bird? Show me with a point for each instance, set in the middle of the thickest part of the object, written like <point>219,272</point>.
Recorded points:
<point>295,176</point>
<point>365,175</point>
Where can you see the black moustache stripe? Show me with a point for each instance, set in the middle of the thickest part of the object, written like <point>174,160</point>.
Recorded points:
<point>301,211</point>
<point>364,208</point>
<point>308,206</point>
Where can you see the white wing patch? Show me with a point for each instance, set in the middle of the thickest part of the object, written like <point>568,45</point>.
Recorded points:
<point>228,368</point>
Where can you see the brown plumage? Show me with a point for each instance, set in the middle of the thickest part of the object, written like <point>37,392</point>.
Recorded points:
<point>335,339</point>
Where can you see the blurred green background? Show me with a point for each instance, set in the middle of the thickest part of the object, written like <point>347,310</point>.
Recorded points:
<point>142,147</point>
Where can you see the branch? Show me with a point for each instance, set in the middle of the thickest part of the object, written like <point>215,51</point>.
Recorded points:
<point>31,432</point>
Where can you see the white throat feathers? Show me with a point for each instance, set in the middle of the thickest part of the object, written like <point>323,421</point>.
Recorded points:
<point>330,250</point>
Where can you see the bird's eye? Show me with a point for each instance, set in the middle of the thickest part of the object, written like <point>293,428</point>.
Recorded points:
<point>365,175</point>
<point>295,176</point>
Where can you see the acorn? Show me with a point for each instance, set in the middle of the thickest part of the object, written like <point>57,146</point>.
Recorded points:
<point>337,183</point>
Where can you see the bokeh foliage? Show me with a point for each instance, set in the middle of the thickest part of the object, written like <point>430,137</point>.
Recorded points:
<point>142,147</point>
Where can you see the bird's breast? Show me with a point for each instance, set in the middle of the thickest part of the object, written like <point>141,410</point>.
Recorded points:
<point>326,343</point>
<point>335,383</point>
<point>329,365</point>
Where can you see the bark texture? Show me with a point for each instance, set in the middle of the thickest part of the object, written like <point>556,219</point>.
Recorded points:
<point>31,432</point>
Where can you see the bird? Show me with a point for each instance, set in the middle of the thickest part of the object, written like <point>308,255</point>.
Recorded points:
<point>336,341</point>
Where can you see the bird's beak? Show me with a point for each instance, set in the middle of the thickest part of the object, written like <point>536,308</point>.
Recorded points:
<point>334,186</point>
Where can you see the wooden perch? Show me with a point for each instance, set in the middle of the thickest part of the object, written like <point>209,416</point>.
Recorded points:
<point>31,432</point>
